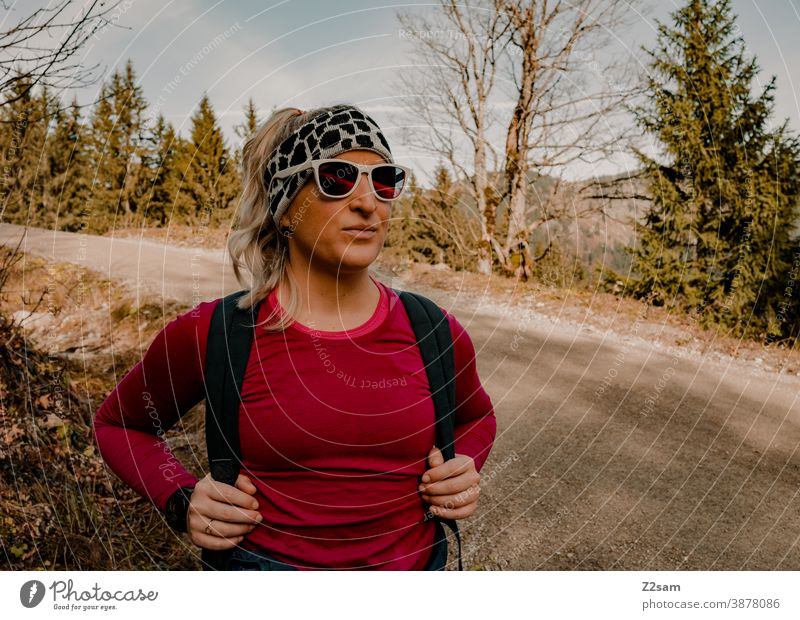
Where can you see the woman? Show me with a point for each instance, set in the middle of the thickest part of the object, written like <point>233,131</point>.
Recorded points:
<point>336,425</point>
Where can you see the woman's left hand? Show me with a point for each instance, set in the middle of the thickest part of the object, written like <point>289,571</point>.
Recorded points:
<point>451,487</point>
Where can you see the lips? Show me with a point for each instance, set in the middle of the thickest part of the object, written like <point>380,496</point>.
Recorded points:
<point>373,228</point>
<point>361,232</point>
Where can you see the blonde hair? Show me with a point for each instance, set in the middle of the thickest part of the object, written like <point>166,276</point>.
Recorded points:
<point>256,244</point>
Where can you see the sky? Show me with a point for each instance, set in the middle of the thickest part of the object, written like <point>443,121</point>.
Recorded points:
<point>307,53</point>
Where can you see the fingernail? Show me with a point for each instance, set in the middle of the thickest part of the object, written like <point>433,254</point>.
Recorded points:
<point>426,478</point>
<point>259,518</point>
<point>422,487</point>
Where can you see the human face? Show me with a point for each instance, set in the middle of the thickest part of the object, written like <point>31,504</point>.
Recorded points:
<point>322,227</point>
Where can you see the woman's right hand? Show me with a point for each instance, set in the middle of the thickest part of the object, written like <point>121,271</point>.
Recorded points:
<point>220,515</point>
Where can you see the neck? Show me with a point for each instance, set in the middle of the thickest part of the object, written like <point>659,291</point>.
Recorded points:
<point>326,296</point>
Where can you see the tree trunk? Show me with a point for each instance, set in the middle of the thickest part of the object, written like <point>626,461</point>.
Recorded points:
<point>486,208</point>
<point>516,173</point>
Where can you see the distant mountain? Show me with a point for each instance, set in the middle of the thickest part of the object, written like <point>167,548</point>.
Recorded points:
<point>595,239</point>
<point>600,238</point>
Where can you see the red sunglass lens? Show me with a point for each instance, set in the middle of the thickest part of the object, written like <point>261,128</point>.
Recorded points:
<point>388,181</point>
<point>337,179</point>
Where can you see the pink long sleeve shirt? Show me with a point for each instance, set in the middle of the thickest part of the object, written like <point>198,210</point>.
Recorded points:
<point>335,428</point>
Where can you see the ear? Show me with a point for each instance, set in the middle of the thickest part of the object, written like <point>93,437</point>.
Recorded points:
<point>286,229</point>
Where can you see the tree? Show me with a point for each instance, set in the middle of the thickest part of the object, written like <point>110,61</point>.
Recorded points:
<point>245,130</point>
<point>566,92</point>
<point>429,225</point>
<point>23,158</point>
<point>120,146</point>
<point>452,98</point>
<point>717,236</point>
<point>563,104</point>
<point>211,179</point>
<point>165,200</point>
<point>68,182</point>
<point>251,121</point>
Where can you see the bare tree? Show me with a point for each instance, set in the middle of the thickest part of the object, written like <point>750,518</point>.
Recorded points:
<point>40,48</point>
<point>449,89</point>
<point>548,59</point>
<point>566,88</point>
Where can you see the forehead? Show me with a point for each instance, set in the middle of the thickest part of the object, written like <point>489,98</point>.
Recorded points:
<point>361,156</point>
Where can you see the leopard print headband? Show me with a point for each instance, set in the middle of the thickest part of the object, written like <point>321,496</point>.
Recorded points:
<point>340,129</point>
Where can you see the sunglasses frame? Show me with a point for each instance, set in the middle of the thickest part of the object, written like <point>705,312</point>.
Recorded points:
<point>362,168</point>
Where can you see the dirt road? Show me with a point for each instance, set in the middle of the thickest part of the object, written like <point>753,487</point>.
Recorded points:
<point>146,266</point>
<point>613,451</point>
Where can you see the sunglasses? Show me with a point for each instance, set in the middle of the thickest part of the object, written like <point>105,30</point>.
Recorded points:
<point>338,178</point>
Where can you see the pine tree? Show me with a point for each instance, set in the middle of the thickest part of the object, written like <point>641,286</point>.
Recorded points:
<point>211,178</point>
<point>36,161</point>
<point>717,236</point>
<point>166,201</point>
<point>251,121</point>
<point>429,227</point>
<point>245,130</point>
<point>782,292</point>
<point>68,184</point>
<point>119,148</point>
<point>23,158</point>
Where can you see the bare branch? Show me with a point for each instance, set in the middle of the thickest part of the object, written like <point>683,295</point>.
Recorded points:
<point>27,61</point>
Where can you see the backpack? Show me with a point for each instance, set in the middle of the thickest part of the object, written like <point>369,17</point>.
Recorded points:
<point>230,337</point>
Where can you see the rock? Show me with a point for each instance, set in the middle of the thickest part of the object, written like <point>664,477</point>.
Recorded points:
<point>52,421</point>
<point>33,320</point>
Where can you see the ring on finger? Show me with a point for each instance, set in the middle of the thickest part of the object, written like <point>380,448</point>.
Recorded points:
<point>208,527</point>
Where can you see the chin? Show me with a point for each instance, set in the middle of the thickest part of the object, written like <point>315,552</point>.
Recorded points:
<point>356,259</point>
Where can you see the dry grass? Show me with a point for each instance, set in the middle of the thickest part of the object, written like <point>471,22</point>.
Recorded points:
<point>61,507</point>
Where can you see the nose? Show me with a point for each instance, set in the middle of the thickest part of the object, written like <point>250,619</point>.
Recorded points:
<point>363,196</point>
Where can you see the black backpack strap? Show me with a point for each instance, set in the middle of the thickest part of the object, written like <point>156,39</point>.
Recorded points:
<point>435,341</point>
<point>230,337</point>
